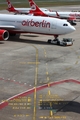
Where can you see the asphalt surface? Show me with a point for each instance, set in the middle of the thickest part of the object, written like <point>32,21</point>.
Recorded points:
<point>28,61</point>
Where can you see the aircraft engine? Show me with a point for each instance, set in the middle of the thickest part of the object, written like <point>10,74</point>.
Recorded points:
<point>4,34</point>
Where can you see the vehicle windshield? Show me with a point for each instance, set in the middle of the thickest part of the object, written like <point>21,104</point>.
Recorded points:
<point>67,40</point>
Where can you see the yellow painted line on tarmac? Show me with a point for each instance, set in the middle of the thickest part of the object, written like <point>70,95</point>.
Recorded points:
<point>49,92</point>
<point>45,117</point>
<point>47,73</point>
<point>35,84</point>
<point>33,62</point>
<point>27,115</point>
<point>40,100</point>
<point>76,62</point>
<point>45,53</point>
<point>41,117</point>
<point>51,113</point>
<point>28,108</point>
<point>36,76</point>
<point>68,68</point>
<point>34,116</point>
<point>35,81</point>
<point>28,103</point>
<point>29,99</point>
<point>40,96</point>
<point>36,72</point>
<point>48,79</point>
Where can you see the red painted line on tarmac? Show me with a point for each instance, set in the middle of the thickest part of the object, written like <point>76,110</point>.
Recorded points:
<point>63,81</point>
<point>30,91</point>
<point>4,104</point>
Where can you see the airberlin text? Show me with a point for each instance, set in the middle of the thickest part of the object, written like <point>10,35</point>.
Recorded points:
<point>75,14</point>
<point>32,23</point>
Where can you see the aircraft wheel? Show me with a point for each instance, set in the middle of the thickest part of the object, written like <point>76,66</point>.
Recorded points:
<point>49,41</point>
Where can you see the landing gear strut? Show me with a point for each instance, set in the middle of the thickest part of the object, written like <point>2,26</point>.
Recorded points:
<point>55,39</point>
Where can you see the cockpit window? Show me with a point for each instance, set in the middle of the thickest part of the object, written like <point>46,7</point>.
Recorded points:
<point>65,24</point>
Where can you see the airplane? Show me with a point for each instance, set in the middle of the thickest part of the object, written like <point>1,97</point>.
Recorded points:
<point>37,12</point>
<point>11,8</point>
<point>10,25</point>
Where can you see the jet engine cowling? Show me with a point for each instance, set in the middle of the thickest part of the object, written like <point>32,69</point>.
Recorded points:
<point>4,34</point>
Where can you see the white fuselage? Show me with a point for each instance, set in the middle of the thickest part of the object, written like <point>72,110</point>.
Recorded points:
<point>26,10</point>
<point>74,14</point>
<point>35,24</point>
<point>64,14</point>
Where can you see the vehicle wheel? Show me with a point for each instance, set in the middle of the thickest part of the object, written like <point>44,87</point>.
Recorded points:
<point>64,44</point>
<point>58,42</point>
<point>49,41</point>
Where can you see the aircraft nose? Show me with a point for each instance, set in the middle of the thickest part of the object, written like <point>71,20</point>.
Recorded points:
<point>73,28</point>
<point>70,29</point>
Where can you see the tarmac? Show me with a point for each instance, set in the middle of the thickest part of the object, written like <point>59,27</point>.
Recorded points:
<point>40,81</point>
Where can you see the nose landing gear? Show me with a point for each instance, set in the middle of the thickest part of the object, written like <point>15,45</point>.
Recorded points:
<point>56,40</point>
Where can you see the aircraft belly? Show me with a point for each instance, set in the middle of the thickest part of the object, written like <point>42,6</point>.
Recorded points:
<point>41,30</point>
<point>57,31</point>
<point>36,29</point>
